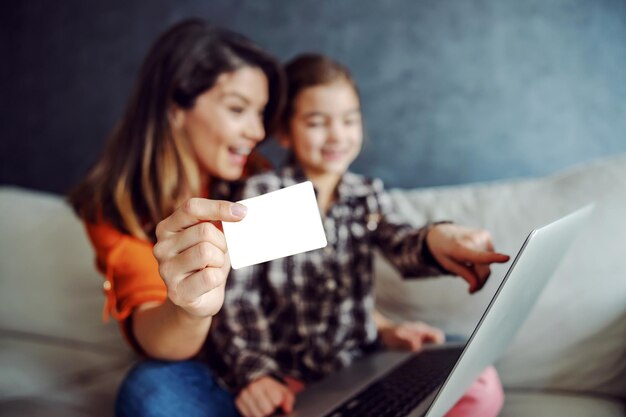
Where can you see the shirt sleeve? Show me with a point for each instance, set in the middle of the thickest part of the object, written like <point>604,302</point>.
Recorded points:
<point>242,333</point>
<point>131,273</point>
<point>402,244</point>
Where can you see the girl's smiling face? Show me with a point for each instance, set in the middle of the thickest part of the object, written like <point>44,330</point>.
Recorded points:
<point>326,131</point>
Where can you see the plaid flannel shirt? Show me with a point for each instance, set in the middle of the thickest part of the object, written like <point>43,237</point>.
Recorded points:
<point>310,314</point>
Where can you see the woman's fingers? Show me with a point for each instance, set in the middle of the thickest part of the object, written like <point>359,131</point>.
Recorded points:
<point>203,255</point>
<point>198,284</point>
<point>200,232</point>
<point>196,210</point>
<point>196,279</point>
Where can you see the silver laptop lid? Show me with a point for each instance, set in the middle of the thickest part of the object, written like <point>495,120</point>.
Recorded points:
<point>529,273</point>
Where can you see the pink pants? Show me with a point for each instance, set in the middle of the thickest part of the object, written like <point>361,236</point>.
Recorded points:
<point>484,398</point>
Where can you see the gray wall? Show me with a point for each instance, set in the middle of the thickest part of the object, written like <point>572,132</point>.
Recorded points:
<point>453,91</point>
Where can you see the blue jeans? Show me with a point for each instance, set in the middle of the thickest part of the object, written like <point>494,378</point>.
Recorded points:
<point>158,389</point>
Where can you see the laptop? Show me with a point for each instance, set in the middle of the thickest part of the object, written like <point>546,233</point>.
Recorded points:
<point>429,383</point>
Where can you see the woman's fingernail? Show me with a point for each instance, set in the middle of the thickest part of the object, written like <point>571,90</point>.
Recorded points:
<point>238,210</point>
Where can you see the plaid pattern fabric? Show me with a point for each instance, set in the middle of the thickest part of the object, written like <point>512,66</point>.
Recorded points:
<point>310,314</point>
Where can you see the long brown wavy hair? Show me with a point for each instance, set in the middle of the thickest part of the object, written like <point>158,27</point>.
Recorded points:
<point>146,171</point>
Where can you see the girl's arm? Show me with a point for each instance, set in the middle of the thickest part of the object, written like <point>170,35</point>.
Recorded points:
<point>242,334</point>
<point>402,244</point>
<point>434,249</point>
<point>242,331</point>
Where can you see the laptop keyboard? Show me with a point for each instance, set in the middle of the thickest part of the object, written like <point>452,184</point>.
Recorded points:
<point>399,391</point>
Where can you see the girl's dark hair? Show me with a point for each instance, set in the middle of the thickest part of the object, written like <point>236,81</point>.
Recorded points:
<point>145,170</point>
<point>310,70</point>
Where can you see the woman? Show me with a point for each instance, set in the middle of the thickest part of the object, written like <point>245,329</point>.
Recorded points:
<point>204,98</point>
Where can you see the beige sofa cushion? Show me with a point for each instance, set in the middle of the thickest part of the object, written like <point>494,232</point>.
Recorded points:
<point>49,282</point>
<point>575,338</point>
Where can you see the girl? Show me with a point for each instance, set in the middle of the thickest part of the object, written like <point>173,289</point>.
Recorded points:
<point>204,98</point>
<point>306,316</point>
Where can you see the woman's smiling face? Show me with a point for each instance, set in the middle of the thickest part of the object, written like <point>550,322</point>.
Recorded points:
<point>226,122</point>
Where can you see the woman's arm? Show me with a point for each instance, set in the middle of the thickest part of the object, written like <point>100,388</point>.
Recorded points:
<point>194,264</point>
<point>160,328</point>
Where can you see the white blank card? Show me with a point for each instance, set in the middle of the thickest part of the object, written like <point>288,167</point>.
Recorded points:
<point>278,224</point>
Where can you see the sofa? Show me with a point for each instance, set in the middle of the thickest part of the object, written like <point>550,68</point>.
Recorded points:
<point>57,358</point>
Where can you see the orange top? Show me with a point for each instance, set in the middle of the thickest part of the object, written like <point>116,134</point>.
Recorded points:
<point>130,270</point>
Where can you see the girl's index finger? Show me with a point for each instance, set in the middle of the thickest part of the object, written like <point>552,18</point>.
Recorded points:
<point>196,210</point>
<point>481,256</point>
